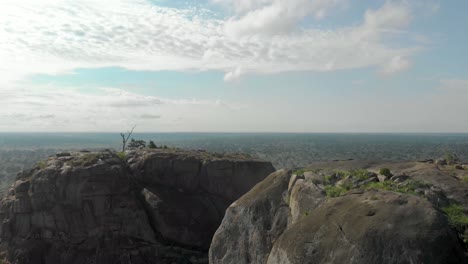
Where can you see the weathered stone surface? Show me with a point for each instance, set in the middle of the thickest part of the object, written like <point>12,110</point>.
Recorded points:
<point>62,207</point>
<point>305,196</point>
<point>363,224</point>
<point>382,178</point>
<point>92,207</point>
<point>399,178</point>
<point>373,227</point>
<point>253,223</point>
<point>185,218</point>
<point>193,189</point>
<point>367,181</point>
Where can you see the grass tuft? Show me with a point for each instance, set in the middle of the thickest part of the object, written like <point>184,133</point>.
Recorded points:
<point>334,191</point>
<point>300,172</point>
<point>458,220</point>
<point>385,172</point>
<point>360,174</point>
<point>121,155</point>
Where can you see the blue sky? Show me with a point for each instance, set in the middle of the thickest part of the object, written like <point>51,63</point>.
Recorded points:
<point>234,65</point>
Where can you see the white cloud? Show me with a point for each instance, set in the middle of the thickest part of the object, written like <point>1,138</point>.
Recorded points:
<point>389,17</point>
<point>274,16</point>
<point>233,75</point>
<point>318,8</point>
<point>54,37</point>
<point>395,65</point>
<point>52,108</point>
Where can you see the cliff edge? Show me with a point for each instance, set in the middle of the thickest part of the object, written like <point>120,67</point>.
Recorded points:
<point>350,212</point>
<point>149,206</point>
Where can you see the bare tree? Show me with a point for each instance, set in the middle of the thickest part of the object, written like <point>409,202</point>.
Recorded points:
<point>125,137</point>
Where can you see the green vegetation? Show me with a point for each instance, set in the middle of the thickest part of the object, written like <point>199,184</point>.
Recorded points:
<point>297,172</point>
<point>121,155</point>
<point>137,143</point>
<point>300,172</point>
<point>355,176</point>
<point>360,174</point>
<point>334,191</point>
<point>386,185</point>
<point>451,157</point>
<point>327,179</point>
<point>408,187</point>
<point>458,219</point>
<point>385,172</point>
<point>342,174</point>
<point>347,185</point>
<point>152,145</point>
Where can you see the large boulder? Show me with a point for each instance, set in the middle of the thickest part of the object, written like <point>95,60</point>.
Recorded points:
<point>304,195</point>
<point>188,192</point>
<point>253,223</point>
<point>372,227</point>
<point>331,222</point>
<point>154,206</point>
<point>226,176</point>
<point>77,209</point>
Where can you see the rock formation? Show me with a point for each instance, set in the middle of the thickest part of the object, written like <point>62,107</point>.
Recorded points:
<point>343,212</point>
<point>153,206</point>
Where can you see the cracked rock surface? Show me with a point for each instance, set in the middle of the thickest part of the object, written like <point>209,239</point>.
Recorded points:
<point>330,212</point>
<point>153,206</point>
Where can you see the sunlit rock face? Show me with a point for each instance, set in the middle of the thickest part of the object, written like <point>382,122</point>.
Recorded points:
<point>152,206</point>
<point>341,212</point>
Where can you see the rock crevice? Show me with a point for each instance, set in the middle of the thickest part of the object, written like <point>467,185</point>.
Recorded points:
<point>341,212</point>
<point>94,207</point>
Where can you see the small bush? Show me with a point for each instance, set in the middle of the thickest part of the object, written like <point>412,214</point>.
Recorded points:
<point>334,191</point>
<point>451,158</point>
<point>327,179</point>
<point>360,174</point>
<point>385,172</point>
<point>342,174</point>
<point>151,145</point>
<point>457,219</point>
<point>121,155</point>
<point>380,185</point>
<point>456,216</point>
<point>137,143</point>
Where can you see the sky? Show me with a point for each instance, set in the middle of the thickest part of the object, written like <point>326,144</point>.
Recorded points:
<point>233,66</point>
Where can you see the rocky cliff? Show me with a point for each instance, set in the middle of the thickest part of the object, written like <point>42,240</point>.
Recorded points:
<point>347,212</point>
<point>151,206</point>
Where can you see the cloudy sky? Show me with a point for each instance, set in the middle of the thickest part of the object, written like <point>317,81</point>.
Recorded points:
<point>234,65</point>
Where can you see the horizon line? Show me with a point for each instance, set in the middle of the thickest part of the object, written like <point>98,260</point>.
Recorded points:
<point>225,132</point>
